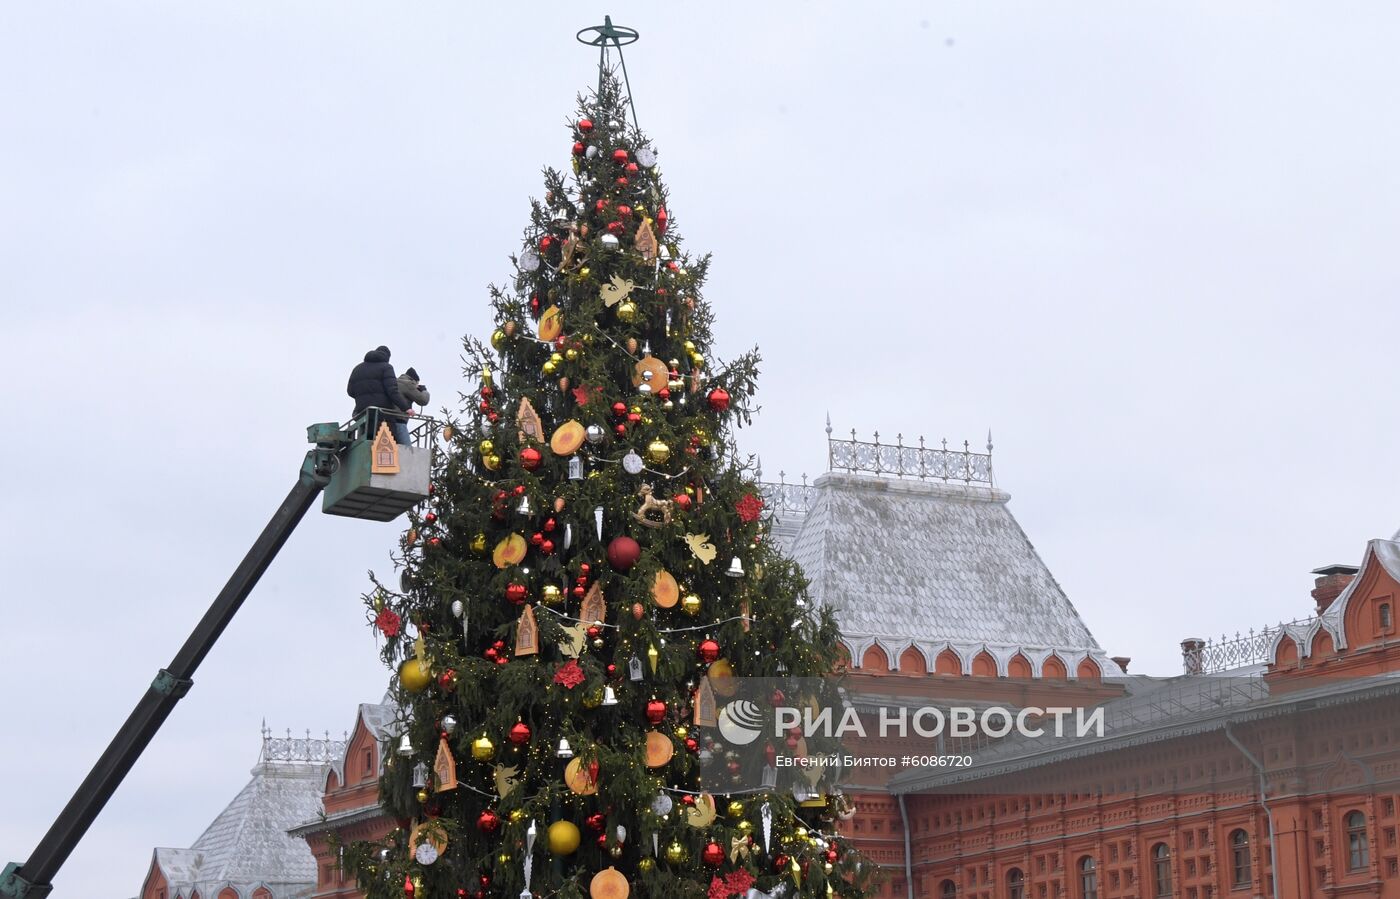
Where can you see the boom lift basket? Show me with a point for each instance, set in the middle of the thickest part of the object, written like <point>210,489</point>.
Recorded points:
<point>377,479</point>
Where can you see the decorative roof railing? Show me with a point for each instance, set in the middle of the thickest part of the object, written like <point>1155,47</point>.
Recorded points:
<point>921,461</point>
<point>873,457</point>
<point>781,498</point>
<point>306,749</point>
<point>1228,653</point>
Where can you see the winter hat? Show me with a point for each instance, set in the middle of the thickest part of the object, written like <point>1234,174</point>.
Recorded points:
<point>382,349</point>
<point>412,374</point>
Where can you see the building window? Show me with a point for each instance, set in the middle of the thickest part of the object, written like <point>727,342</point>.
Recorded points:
<point>1015,884</point>
<point>1088,878</point>
<point>369,762</point>
<point>1239,857</point>
<point>1161,870</point>
<point>1385,616</point>
<point>949,890</point>
<point>1358,846</point>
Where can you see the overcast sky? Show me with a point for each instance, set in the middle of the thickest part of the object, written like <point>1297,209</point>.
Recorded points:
<point>1150,246</point>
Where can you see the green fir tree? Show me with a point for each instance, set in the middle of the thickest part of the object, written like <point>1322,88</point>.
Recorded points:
<point>592,479</point>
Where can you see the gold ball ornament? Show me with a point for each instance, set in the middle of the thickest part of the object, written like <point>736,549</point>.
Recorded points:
<point>563,838</point>
<point>479,543</point>
<point>627,311</point>
<point>498,338</point>
<point>487,447</point>
<point>675,853</point>
<point>422,796</point>
<point>556,358</point>
<point>827,867</point>
<point>517,815</point>
<point>551,594</point>
<point>492,462</point>
<point>691,604</point>
<point>549,367</point>
<point>735,809</point>
<point>483,750</point>
<point>571,354</point>
<point>646,865</point>
<point>414,675</point>
<point>744,827</point>
<point>505,858</point>
<point>682,731</point>
<point>658,451</point>
<point>593,698</point>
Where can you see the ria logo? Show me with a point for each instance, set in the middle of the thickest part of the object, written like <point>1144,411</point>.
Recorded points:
<point>740,722</point>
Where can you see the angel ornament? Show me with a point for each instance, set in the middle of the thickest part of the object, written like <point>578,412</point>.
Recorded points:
<point>653,513</point>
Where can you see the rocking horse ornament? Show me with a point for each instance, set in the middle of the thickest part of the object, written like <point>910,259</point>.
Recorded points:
<point>653,512</point>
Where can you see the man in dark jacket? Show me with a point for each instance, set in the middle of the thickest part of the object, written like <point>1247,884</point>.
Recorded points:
<point>374,385</point>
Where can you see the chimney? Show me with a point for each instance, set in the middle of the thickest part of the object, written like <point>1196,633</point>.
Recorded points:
<point>1121,662</point>
<point>1331,581</point>
<point>1193,655</point>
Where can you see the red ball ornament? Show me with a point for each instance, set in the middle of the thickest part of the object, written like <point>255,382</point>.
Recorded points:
<point>624,211</point>
<point>434,541</point>
<point>708,650</point>
<point>619,408</point>
<point>780,863</point>
<point>615,227</point>
<point>530,458</point>
<point>692,745</point>
<point>619,156</point>
<point>547,547</point>
<point>602,841</point>
<point>448,679</point>
<point>490,654</point>
<point>546,242</point>
<point>621,430</point>
<point>520,733</point>
<point>831,856</point>
<point>621,180</point>
<point>631,168</point>
<point>585,125</point>
<point>595,821</point>
<point>501,660</point>
<point>687,799</point>
<point>594,632</point>
<point>718,399</point>
<point>430,518</point>
<point>488,822</point>
<point>656,711</point>
<point>516,593</point>
<point>712,855</point>
<point>600,205</point>
<point>623,553</point>
<point>682,501</point>
<point>579,148</point>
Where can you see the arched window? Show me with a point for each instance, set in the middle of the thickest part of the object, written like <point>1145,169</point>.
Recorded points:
<point>948,890</point>
<point>1088,878</point>
<point>1385,616</point>
<point>1161,870</point>
<point>1015,884</point>
<point>1240,875</point>
<point>1358,846</point>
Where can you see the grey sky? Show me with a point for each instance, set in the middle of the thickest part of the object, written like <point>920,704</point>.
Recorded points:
<point>1151,246</point>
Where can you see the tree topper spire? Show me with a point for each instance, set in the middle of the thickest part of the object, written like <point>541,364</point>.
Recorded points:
<point>618,36</point>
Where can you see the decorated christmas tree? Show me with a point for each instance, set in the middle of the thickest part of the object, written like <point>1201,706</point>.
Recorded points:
<point>592,565</point>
